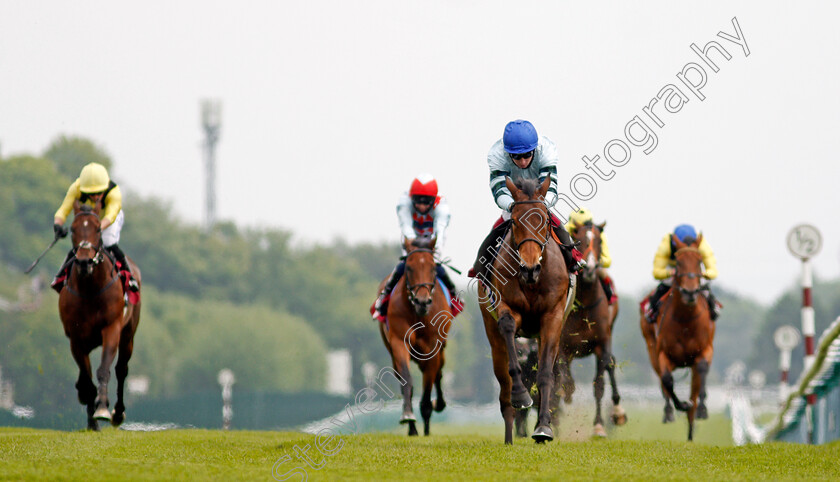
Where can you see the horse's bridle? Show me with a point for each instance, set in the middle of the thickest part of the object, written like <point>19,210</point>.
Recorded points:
<point>692,275</point>
<point>97,258</point>
<point>412,295</point>
<point>544,225</point>
<point>590,228</point>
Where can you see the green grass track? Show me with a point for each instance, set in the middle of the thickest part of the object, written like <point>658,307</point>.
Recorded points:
<point>238,455</point>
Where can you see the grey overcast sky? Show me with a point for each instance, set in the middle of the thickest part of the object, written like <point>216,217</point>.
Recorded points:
<point>331,107</point>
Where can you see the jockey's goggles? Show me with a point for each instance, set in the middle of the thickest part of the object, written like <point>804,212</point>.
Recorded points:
<point>423,199</point>
<point>524,155</point>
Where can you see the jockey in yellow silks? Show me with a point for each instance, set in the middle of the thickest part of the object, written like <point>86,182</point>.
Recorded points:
<point>583,217</point>
<point>664,266</point>
<point>93,186</point>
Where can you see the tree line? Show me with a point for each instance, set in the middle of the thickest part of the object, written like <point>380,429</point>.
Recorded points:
<point>257,301</point>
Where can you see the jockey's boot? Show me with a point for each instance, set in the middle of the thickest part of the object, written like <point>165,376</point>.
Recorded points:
<point>606,283</point>
<point>653,302</point>
<point>58,282</point>
<point>714,305</point>
<point>444,276</point>
<point>389,286</point>
<point>573,257</point>
<point>487,252</point>
<point>120,257</point>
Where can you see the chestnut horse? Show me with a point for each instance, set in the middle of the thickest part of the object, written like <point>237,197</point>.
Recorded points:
<point>94,313</point>
<point>527,295</point>
<point>683,334</point>
<point>588,330</point>
<point>418,320</point>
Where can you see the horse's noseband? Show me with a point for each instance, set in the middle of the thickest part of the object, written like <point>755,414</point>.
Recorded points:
<point>97,258</point>
<point>542,243</point>
<point>412,288</point>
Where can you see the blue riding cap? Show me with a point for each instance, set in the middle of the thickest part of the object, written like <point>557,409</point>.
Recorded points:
<point>683,231</point>
<point>520,137</point>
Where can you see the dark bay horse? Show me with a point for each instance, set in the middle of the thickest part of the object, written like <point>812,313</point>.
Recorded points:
<point>588,329</point>
<point>527,295</point>
<point>418,323</point>
<point>683,334</point>
<point>93,313</point>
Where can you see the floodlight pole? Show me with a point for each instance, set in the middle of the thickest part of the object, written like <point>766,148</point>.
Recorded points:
<point>211,122</point>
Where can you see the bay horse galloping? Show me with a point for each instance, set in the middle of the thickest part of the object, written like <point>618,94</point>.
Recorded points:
<point>93,312</point>
<point>683,334</point>
<point>526,295</point>
<point>588,329</point>
<point>418,320</point>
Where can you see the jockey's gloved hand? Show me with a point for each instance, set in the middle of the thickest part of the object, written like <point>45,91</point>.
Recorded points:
<point>60,231</point>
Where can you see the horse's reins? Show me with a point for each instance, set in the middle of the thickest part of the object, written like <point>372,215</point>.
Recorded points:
<point>98,257</point>
<point>412,296</point>
<point>692,275</point>
<point>544,224</point>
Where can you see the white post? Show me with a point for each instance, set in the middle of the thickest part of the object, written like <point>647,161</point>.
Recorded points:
<point>226,380</point>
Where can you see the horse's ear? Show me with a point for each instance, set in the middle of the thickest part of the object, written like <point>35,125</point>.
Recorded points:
<point>77,206</point>
<point>699,239</point>
<point>511,187</point>
<point>602,226</point>
<point>679,244</point>
<point>544,186</point>
<point>432,243</point>
<point>407,245</point>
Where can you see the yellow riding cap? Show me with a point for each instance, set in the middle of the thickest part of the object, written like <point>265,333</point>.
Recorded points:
<point>94,178</point>
<point>580,217</point>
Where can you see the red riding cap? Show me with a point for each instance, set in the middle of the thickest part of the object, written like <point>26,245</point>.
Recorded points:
<point>423,185</point>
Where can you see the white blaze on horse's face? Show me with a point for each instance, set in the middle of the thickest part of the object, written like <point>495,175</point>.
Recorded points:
<point>591,258</point>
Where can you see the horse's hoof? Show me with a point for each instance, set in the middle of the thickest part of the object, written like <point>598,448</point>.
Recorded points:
<point>117,418</point>
<point>102,413</point>
<point>599,431</point>
<point>439,405</point>
<point>683,406</point>
<point>412,429</point>
<point>543,434</point>
<point>408,417</point>
<point>521,400</point>
<point>619,416</point>
<point>702,413</point>
<point>668,417</point>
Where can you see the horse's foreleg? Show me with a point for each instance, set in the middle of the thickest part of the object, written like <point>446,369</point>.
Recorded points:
<point>667,379</point>
<point>110,342</point>
<point>85,388</point>
<point>519,394</point>
<point>619,416</point>
<point>549,348</point>
<point>121,370</point>
<point>601,362</point>
<point>431,369</point>
<point>401,360</point>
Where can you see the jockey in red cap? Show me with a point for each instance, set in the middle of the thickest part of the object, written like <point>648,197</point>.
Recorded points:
<point>421,212</point>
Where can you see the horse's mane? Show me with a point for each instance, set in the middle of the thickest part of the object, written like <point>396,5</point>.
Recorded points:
<point>528,187</point>
<point>423,242</point>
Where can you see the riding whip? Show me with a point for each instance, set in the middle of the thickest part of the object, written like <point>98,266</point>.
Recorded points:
<point>31,267</point>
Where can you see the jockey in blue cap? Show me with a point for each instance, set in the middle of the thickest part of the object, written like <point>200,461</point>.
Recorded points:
<point>664,265</point>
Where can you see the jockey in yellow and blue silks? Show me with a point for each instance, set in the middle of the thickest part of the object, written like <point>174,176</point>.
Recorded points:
<point>93,186</point>
<point>421,213</point>
<point>664,266</point>
<point>583,217</point>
